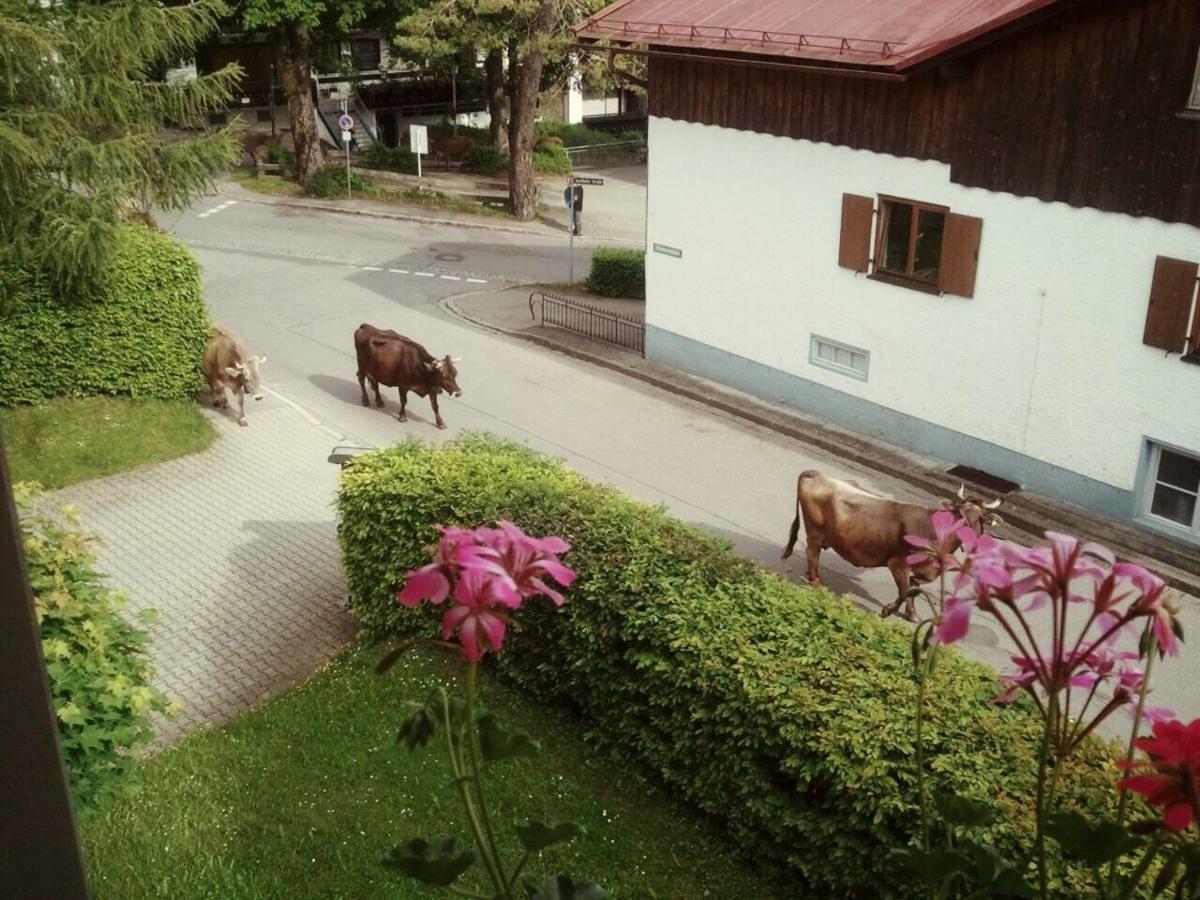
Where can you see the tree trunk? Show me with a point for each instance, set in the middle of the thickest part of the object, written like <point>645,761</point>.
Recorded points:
<point>522,187</point>
<point>293,52</point>
<point>497,97</point>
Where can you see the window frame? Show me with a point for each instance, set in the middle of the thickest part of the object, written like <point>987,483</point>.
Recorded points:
<point>881,229</point>
<point>1193,101</point>
<point>1148,481</point>
<point>814,358</point>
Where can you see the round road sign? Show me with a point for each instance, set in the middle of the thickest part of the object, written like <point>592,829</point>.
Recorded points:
<point>345,122</point>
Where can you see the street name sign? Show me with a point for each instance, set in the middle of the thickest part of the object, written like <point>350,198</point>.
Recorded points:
<point>668,251</point>
<point>580,179</point>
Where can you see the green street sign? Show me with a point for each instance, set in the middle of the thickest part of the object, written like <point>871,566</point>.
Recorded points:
<point>668,251</point>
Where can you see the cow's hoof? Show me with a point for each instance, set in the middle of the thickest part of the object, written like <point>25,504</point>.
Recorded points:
<point>441,425</point>
<point>366,402</point>
<point>243,422</point>
<point>886,612</point>
<point>402,418</point>
<point>378,403</point>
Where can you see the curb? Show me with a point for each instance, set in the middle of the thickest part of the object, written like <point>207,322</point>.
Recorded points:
<point>1030,523</point>
<point>408,217</point>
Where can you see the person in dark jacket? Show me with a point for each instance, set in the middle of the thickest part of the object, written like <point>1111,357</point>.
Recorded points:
<point>573,200</point>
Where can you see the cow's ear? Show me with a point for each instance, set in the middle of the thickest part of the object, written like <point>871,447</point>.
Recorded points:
<point>233,371</point>
<point>431,366</point>
<point>260,359</point>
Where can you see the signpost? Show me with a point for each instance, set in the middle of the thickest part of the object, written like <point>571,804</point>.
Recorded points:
<point>418,143</point>
<point>346,123</point>
<point>580,179</point>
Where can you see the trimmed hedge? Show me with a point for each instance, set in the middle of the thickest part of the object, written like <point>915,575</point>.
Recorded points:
<point>618,273</point>
<point>329,182</point>
<point>551,159</point>
<point>142,336</point>
<point>548,159</point>
<point>392,159</point>
<point>783,711</point>
<point>101,682</point>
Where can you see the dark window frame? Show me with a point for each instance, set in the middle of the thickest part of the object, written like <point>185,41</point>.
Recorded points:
<point>885,203</point>
<point>1193,102</point>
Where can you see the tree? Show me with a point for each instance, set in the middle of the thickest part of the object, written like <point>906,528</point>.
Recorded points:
<point>81,127</point>
<point>296,28</point>
<point>531,34</point>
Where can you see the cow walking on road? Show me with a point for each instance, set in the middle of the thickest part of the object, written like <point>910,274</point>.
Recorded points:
<point>391,359</point>
<point>228,365</point>
<point>868,530</point>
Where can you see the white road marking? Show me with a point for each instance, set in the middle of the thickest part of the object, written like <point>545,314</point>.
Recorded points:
<point>399,271</point>
<point>450,277</point>
<point>425,274</point>
<point>215,209</point>
<point>372,269</point>
<point>477,280</point>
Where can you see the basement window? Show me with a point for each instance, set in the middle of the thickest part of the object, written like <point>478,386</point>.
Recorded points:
<point>1172,488</point>
<point>839,357</point>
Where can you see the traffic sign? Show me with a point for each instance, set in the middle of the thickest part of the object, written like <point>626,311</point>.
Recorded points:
<point>345,122</point>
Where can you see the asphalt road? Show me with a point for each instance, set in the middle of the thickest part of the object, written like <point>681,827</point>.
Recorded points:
<point>296,284</point>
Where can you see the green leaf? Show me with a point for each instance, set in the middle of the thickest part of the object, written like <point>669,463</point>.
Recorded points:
<point>433,863</point>
<point>956,810</point>
<point>997,877</point>
<point>931,865</point>
<point>1093,844</point>
<point>561,887</point>
<point>540,835</point>
<point>497,743</point>
<point>420,725</point>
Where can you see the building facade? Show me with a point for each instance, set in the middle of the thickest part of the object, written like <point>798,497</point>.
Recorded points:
<point>978,239</point>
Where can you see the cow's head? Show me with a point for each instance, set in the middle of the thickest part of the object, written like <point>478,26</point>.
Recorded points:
<point>245,376</point>
<point>446,375</point>
<point>976,511</point>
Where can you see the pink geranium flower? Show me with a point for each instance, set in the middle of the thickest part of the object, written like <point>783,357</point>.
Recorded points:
<point>1170,776</point>
<point>520,560</point>
<point>478,614</point>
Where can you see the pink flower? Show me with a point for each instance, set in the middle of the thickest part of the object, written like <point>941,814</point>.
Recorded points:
<point>478,615</point>
<point>1170,775</point>
<point>955,620</point>
<point>1152,603</point>
<point>520,560</point>
<point>432,582</point>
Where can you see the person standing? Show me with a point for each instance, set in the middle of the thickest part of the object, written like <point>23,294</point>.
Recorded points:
<point>576,207</point>
<point>569,202</point>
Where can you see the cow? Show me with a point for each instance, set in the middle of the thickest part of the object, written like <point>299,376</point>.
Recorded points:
<point>227,364</point>
<point>391,359</point>
<point>868,530</point>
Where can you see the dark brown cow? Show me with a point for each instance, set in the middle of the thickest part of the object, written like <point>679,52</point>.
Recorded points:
<point>391,359</point>
<point>868,530</point>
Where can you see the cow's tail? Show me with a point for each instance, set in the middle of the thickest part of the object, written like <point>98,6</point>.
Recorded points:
<point>794,533</point>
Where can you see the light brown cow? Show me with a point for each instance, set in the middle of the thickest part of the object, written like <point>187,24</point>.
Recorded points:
<point>868,530</point>
<point>227,364</point>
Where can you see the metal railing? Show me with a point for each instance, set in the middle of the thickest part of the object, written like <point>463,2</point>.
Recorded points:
<point>590,321</point>
<point>743,37</point>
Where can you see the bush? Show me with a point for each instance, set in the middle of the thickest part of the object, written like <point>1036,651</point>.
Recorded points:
<point>280,155</point>
<point>392,159</point>
<point>329,182</point>
<point>142,335</point>
<point>100,679</point>
<point>783,711</point>
<point>551,159</point>
<point>484,159</point>
<point>635,138</point>
<point>618,273</point>
<point>573,135</point>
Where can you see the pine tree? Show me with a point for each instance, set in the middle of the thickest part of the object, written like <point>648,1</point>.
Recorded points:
<point>82,127</point>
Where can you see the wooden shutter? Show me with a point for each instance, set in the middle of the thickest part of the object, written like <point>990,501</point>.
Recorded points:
<point>854,252</point>
<point>960,255</point>
<point>1170,302</point>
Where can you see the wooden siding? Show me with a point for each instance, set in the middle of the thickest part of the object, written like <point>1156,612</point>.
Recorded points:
<point>1081,108</point>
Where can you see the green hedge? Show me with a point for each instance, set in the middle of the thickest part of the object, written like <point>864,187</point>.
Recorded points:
<point>100,679</point>
<point>329,182</point>
<point>142,336</point>
<point>392,159</point>
<point>549,159</point>
<point>484,159</point>
<point>618,273</point>
<point>783,711</point>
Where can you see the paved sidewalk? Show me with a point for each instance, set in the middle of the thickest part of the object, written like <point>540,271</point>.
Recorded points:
<point>235,547</point>
<point>1028,515</point>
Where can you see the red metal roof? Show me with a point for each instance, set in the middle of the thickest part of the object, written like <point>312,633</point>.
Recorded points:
<point>891,35</point>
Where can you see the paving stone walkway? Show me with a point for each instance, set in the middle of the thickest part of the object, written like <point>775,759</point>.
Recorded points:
<point>235,547</point>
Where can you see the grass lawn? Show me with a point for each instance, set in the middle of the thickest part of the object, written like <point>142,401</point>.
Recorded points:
<point>69,440</point>
<point>302,797</point>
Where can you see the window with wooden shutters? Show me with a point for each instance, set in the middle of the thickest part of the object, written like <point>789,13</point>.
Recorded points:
<point>916,244</point>
<point>1172,298</point>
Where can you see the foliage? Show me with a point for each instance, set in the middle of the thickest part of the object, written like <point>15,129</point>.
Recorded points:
<point>100,680</point>
<point>280,155</point>
<point>392,159</point>
<point>141,335</point>
<point>483,159</point>
<point>217,804</point>
<point>551,159</point>
<point>770,706</point>
<point>574,135</point>
<point>69,440</point>
<point>618,273</point>
<point>81,128</point>
<point>330,182</point>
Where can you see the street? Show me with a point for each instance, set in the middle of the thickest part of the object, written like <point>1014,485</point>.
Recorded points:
<point>296,284</point>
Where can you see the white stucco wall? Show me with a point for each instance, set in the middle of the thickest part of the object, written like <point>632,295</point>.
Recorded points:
<point>1047,360</point>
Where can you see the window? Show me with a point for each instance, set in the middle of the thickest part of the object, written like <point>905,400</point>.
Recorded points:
<point>910,239</point>
<point>839,357</point>
<point>1172,492</point>
<point>915,244</point>
<point>1172,300</point>
<point>1194,100</point>
<point>365,54</point>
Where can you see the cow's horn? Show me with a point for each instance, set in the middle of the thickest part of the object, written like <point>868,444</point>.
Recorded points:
<point>992,504</point>
<point>962,491</point>
<point>456,359</point>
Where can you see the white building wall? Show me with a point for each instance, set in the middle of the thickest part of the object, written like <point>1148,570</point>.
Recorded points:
<point>1047,360</point>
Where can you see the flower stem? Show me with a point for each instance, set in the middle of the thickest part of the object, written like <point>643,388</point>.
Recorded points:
<point>460,781</point>
<point>1043,759</point>
<point>477,772</point>
<point>923,676</point>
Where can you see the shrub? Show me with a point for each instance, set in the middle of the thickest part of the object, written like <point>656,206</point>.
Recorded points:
<point>280,155</point>
<point>573,135</point>
<point>392,159</point>
<point>634,138</point>
<point>142,335</point>
<point>784,711</point>
<point>330,182</point>
<point>100,679</point>
<point>618,273</point>
<point>551,159</point>
<point>484,159</point>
